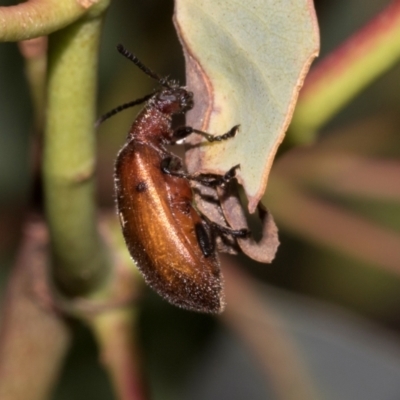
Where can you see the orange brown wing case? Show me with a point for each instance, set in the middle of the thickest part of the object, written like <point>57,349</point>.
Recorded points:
<point>166,252</point>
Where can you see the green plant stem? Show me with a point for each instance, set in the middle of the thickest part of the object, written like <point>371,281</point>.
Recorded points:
<point>35,53</point>
<point>80,259</point>
<point>342,75</point>
<point>40,17</point>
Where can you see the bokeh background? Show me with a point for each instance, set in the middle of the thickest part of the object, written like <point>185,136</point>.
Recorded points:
<point>340,313</point>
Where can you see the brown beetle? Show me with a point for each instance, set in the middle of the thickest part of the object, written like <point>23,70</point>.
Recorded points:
<point>171,243</point>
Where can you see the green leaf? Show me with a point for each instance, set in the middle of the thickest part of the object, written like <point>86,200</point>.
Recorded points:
<point>246,62</point>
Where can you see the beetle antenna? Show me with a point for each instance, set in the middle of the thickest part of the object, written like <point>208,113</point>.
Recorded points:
<point>130,56</point>
<point>122,107</point>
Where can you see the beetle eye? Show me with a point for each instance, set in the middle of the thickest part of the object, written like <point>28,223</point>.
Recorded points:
<point>186,101</point>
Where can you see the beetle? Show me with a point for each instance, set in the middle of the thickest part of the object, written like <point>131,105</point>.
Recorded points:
<point>172,244</point>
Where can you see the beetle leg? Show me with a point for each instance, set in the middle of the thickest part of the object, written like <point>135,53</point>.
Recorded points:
<point>206,234</point>
<point>214,180</point>
<point>172,166</point>
<point>225,230</point>
<point>185,131</point>
<point>210,180</point>
<point>205,238</point>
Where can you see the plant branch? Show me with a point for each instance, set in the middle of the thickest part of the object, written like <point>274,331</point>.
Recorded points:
<point>33,338</point>
<point>119,353</point>
<point>80,259</point>
<point>330,225</point>
<point>35,54</point>
<point>41,17</point>
<point>343,74</point>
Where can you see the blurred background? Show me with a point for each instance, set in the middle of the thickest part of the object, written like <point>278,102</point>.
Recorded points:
<point>329,308</point>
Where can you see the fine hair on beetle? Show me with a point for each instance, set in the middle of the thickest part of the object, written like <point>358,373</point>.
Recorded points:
<point>172,243</point>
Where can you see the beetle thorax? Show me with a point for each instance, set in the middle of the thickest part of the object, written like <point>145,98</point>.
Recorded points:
<point>151,125</point>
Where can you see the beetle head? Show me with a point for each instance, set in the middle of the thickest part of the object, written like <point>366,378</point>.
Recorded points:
<point>173,100</point>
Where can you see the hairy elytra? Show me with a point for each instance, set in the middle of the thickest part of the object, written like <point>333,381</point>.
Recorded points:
<point>172,244</point>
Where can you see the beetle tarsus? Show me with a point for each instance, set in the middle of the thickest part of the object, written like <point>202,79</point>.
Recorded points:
<point>185,131</point>
<point>210,180</point>
<point>225,230</point>
<point>214,180</point>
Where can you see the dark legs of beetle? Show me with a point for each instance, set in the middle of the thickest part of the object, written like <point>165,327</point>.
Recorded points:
<point>237,233</point>
<point>207,231</point>
<point>210,180</point>
<point>205,238</point>
<point>214,180</point>
<point>185,131</point>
